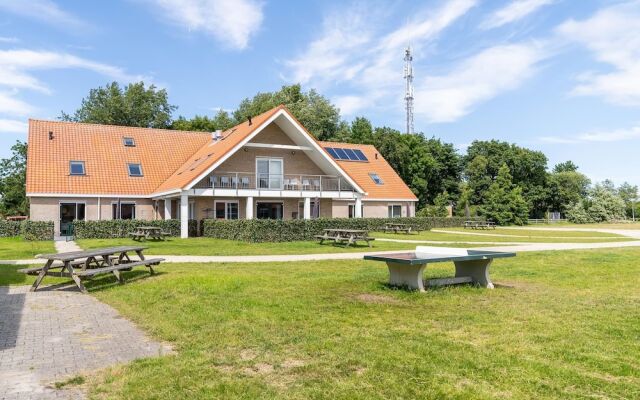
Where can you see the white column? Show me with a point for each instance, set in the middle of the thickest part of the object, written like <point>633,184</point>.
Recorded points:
<point>358,207</point>
<point>249,208</point>
<point>307,208</point>
<point>167,208</point>
<point>184,216</point>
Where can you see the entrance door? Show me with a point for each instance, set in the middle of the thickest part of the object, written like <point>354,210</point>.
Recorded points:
<point>70,212</point>
<point>269,211</point>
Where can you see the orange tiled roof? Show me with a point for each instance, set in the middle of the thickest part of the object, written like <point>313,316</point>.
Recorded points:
<point>160,151</point>
<point>212,152</point>
<point>170,159</point>
<point>393,186</point>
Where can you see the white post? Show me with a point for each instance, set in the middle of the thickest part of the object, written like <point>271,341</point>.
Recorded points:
<point>167,208</point>
<point>307,208</point>
<point>358,210</point>
<point>249,208</point>
<point>184,216</point>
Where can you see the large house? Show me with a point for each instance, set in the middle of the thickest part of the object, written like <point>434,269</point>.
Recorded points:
<point>266,167</point>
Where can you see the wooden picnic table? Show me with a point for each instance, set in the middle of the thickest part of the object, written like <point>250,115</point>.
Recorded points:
<point>85,264</point>
<point>148,232</point>
<point>479,224</point>
<point>397,227</point>
<point>472,266</point>
<point>347,236</point>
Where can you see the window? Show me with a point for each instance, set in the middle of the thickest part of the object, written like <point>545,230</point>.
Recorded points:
<point>269,210</point>
<point>135,170</point>
<point>395,211</point>
<point>352,210</point>
<point>315,209</point>
<point>76,168</point>
<point>70,212</point>
<point>269,173</point>
<point>129,142</point>
<point>226,210</point>
<point>125,211</point>
<point>376,178</point>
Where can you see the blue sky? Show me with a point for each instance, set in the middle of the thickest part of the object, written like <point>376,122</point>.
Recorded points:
<point>561,76</point>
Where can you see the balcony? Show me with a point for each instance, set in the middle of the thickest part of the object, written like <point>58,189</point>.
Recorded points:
<point>274,182</point>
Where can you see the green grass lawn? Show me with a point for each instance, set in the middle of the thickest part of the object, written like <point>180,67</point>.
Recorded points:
<point>515,236</point>
<point>559,325</point>
<point>17,248</point>
<point>219,247</point>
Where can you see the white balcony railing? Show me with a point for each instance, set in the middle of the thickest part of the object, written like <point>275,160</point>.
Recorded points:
<point>292,182</point>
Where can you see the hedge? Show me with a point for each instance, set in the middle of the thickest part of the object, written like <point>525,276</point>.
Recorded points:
<point>9,228</point>
<point>30,230</point>
<point>120,228</point>
<point>271,230</point>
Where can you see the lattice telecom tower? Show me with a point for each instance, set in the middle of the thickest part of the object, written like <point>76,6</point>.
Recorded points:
<point>408,95</point>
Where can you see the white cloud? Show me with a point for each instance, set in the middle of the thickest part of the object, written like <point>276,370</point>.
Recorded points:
<point>17,72</point>
<point>483,76</point>
<point>351,50</point>
<point>13,126</point>
<point>231,22</point>
<point>43,10</point>
<point>612,37</point>
<point>616,135</point>
<point>5,39</point>
<point>514,11</point>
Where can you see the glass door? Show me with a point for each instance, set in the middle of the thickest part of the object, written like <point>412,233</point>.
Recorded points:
<point>269,173</point>
<point>70,212</point>
<point>269,210</point>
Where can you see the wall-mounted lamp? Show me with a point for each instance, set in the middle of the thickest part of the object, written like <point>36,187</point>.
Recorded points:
<point>245,150</point>
<point>293,152</point>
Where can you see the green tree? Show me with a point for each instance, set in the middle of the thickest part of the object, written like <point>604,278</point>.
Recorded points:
<point>629,194</point>
<point>361,131</point>
<point>603,204</point>
<point>13,178</point>
<point>504,202</point>
<point>133,105</point>
<point>567,166</point>
<point>313,110</point>
<point>197,123</point>
<point>565,188</point>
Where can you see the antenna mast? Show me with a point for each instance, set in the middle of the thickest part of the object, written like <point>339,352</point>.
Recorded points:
<point>408,95</point>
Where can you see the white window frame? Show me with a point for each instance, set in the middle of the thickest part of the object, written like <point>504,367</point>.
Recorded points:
<point>390,210</point>
<point>192,210</point>
<point>269,159</point>
<point>76,202</point>
<point>129,170</point>
<point>354,210</point>
<point>226,209</point>
<point>84,167</point>
<point>371,174</point>
<point>119,212</point>
<point>255,209</point>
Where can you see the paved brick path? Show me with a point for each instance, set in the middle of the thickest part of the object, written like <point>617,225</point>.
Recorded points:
<point>49,336</point>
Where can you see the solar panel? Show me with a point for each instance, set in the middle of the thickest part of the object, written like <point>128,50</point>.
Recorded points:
<point>360,155</point>
<point>352,156</point>
<point>332,152</point>
<point>341,154</point>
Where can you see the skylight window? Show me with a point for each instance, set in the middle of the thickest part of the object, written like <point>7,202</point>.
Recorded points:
<point>135,170</point>
<point>76,168</point>
<point>129,142</point>
<point>376,178</point>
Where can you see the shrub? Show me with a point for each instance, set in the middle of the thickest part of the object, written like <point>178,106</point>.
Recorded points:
<point>9,228</point>
<point>120,228</point>
<point>271,230</point>
<point>37,230</point>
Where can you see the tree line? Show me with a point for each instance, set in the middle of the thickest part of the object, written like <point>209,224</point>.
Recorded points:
<point>498,180</point>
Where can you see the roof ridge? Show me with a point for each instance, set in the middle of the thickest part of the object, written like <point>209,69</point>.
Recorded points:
<point>117,126</point>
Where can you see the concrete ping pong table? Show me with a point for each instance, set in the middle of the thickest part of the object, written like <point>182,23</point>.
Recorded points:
<point>472,266</point>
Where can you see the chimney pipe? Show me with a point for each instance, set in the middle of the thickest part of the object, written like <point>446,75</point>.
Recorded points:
<point>249,120</point>
<point>50,135</point>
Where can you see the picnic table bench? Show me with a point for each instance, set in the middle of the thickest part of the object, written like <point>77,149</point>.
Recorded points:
<point>85,264</point>
<point>397,228</point>
<point>479,224</point>
<point>148,232</point>
<point>472,266</point>
<point>347,236</point>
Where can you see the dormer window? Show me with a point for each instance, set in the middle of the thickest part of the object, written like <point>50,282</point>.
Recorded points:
<point>376,178</point>
<point>135,170</point>
<point>76,168</point>
<point>128,142</point>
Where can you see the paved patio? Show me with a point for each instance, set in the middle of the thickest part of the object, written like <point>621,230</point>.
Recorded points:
<point>51,335</point>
